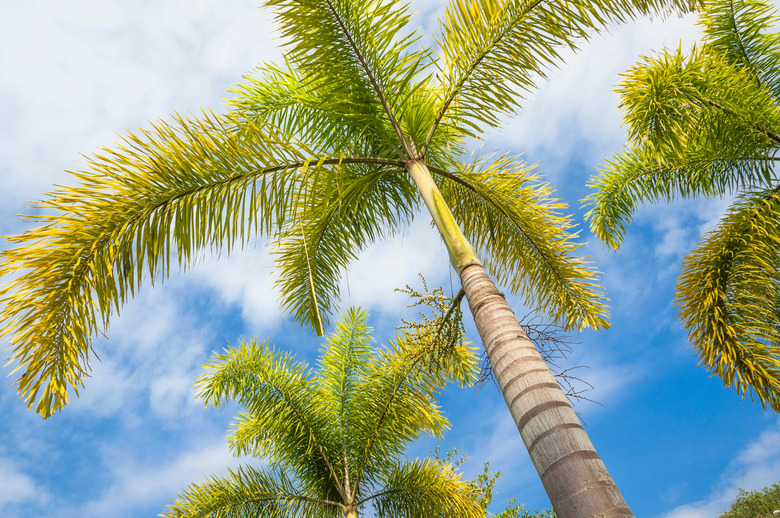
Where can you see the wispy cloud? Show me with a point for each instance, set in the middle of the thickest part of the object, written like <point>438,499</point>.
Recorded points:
<point>15,486</point>
<point>755,467</point>
<point>135,486</point>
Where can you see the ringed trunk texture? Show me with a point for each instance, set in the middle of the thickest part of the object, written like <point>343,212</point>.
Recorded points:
<point>575,478</point>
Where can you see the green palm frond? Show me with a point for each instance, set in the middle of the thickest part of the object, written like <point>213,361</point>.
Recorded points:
<point>334,436</point>
<point>282,423</point>
<point>708,125</point>
<point>426,488</point>
<point>396,393</point>
<point>345,356</point>
<point>494,49</point>
<point>312,108</point>
<point>248,491</point>
<point>363,45</point>
<point>666,97</point>
<point>511,217</point>
<point>345,209</point>
<point>639,175</point>
<point>729,298</point>
<point>281,96</point>
<point>344,359</point>
<point>698,127</point>
<point>742,32</point>
<point>156,201</point>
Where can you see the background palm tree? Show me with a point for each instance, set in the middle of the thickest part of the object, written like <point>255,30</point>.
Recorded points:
<point>323,155</point>
<point>333,437</point>
<point>707,125</point>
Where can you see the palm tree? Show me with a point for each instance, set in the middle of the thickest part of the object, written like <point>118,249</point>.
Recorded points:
<point>707,125</point>
<point>333,437</point>
<point>323,155</point>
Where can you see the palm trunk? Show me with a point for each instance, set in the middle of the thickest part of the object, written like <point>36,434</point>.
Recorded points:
<point>575,478</point>
<point>351,511</point>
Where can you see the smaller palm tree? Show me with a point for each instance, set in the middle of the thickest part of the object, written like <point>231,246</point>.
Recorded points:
<point>333,437</point>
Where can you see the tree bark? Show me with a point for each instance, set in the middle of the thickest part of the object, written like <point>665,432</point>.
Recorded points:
<point>575,478</point>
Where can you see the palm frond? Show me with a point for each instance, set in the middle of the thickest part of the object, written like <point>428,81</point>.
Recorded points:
<point>248,491</point>
<point>312,108</point>
<point>426,488</point>
<point>673,101</point>
<point>396,404</point>
<point>697,126</point>
<point>283,422</point>
<point>511,217</point>
<point>493,50</point>
<point>360,44</point>
<point>742,31</point>
<point>639,175</point>
<point>729,298</point>
<point>344,359</point>
<point>156,200</point>
<point>346,208</point>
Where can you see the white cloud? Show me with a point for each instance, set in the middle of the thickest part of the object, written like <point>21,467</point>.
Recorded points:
<point>152,356</point>
<point>755,467</point>
<point>134,486</point>
<point>15,486</point>
<point>93,67</point>
<point>246,279</point>
<point>391,264</point>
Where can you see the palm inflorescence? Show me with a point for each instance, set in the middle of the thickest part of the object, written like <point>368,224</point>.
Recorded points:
<point>707,124</point>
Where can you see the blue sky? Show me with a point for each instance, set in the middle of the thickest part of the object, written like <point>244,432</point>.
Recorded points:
<point>76,74</point>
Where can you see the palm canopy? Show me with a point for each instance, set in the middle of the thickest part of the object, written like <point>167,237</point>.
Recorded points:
<point>313,156</point>
<point>333,436</point>
<point>703,125</point>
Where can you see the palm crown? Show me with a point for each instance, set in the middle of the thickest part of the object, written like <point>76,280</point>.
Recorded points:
<point>708,124</point>
<point>333,437</point>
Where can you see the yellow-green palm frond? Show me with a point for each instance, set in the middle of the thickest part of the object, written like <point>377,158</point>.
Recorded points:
<point>493,50</point>
<point>156,200</point>
<point>344,359</point>
<point>426,488</point>
<point>640,175</point>
<point>344,209</point>
<point>282,422</point>
<point>338,431</point>
<point>514,221</point>
<point>281,96</point>
<point>698,127</point>
<point>346,354</point>
<point>729,298</point>
<point>248,491</point>
<point>362,48</point>
<point>396,394</point>
<point>311,108</point>
<point>742,32</point>
<point>673,101</point>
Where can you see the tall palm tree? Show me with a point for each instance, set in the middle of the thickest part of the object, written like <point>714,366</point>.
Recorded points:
<point>333,437</point>
<point>323,155</point>
<point>707,125</point>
